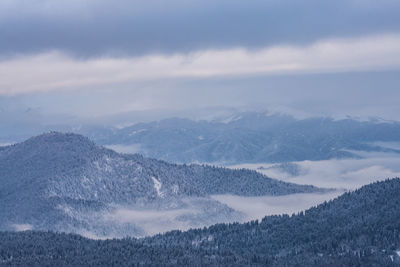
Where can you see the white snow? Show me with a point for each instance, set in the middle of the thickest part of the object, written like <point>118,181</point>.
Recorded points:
<point>175,189</point>
<point>230,119</point>
<point>398,253</point>
<point>85,180</point>
<point>138,131</point>
<point>157,186</point>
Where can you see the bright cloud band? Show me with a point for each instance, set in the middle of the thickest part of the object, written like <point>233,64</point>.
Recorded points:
<point>55,71</point>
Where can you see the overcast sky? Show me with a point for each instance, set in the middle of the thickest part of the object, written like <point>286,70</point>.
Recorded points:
<point>95,58</point>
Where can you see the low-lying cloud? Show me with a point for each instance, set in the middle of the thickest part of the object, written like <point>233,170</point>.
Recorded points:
<point>151,222</point>
<point>258,207</point>
<point>22,227</point>
<point>338,173</point>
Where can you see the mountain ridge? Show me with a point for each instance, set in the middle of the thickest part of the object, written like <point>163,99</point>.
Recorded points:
<point>253,138</point>
<point>61,181</point>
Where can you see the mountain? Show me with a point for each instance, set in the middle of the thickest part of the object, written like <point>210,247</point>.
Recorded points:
<point>65,182</point>
<point>360,228</point>
<point>252,138</point>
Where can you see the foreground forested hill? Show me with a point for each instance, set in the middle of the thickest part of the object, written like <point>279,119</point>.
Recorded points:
<point>361,228</point>
<point>65,182</point>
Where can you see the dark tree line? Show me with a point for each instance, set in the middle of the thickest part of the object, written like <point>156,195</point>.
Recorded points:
<point>361,228</point>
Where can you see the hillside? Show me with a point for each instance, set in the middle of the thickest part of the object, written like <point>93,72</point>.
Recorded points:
<point>361,228</point>
<point>65,182</point>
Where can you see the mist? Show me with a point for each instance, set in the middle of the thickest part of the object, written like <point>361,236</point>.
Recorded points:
<point>256,208</point>
<point>347,174</point>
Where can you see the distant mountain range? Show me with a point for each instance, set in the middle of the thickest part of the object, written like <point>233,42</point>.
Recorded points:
<point>237,138</point>
<point>361,228</point>
<point>65,182</point>
<point>251,138</point>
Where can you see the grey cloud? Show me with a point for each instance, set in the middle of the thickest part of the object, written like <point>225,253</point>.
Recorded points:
<point>93,28</point>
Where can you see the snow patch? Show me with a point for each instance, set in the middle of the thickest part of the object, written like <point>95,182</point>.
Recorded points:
<point>137,131</point>
<point>66,209</point>
<point>175,189</point>
<point>230,119</point>
<point>157,186</point>
<point>198,241</point>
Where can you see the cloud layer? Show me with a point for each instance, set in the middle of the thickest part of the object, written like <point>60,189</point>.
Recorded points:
<point>54,70</point>
<point>93,28</point>
<point>99,57</point>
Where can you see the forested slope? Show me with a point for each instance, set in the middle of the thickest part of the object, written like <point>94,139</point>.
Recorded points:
<point>361,228</point>
<point>65,182</point>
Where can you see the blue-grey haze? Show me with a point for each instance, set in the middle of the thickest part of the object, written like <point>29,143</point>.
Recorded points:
<point>254,138</point>
<point>358,94</point>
